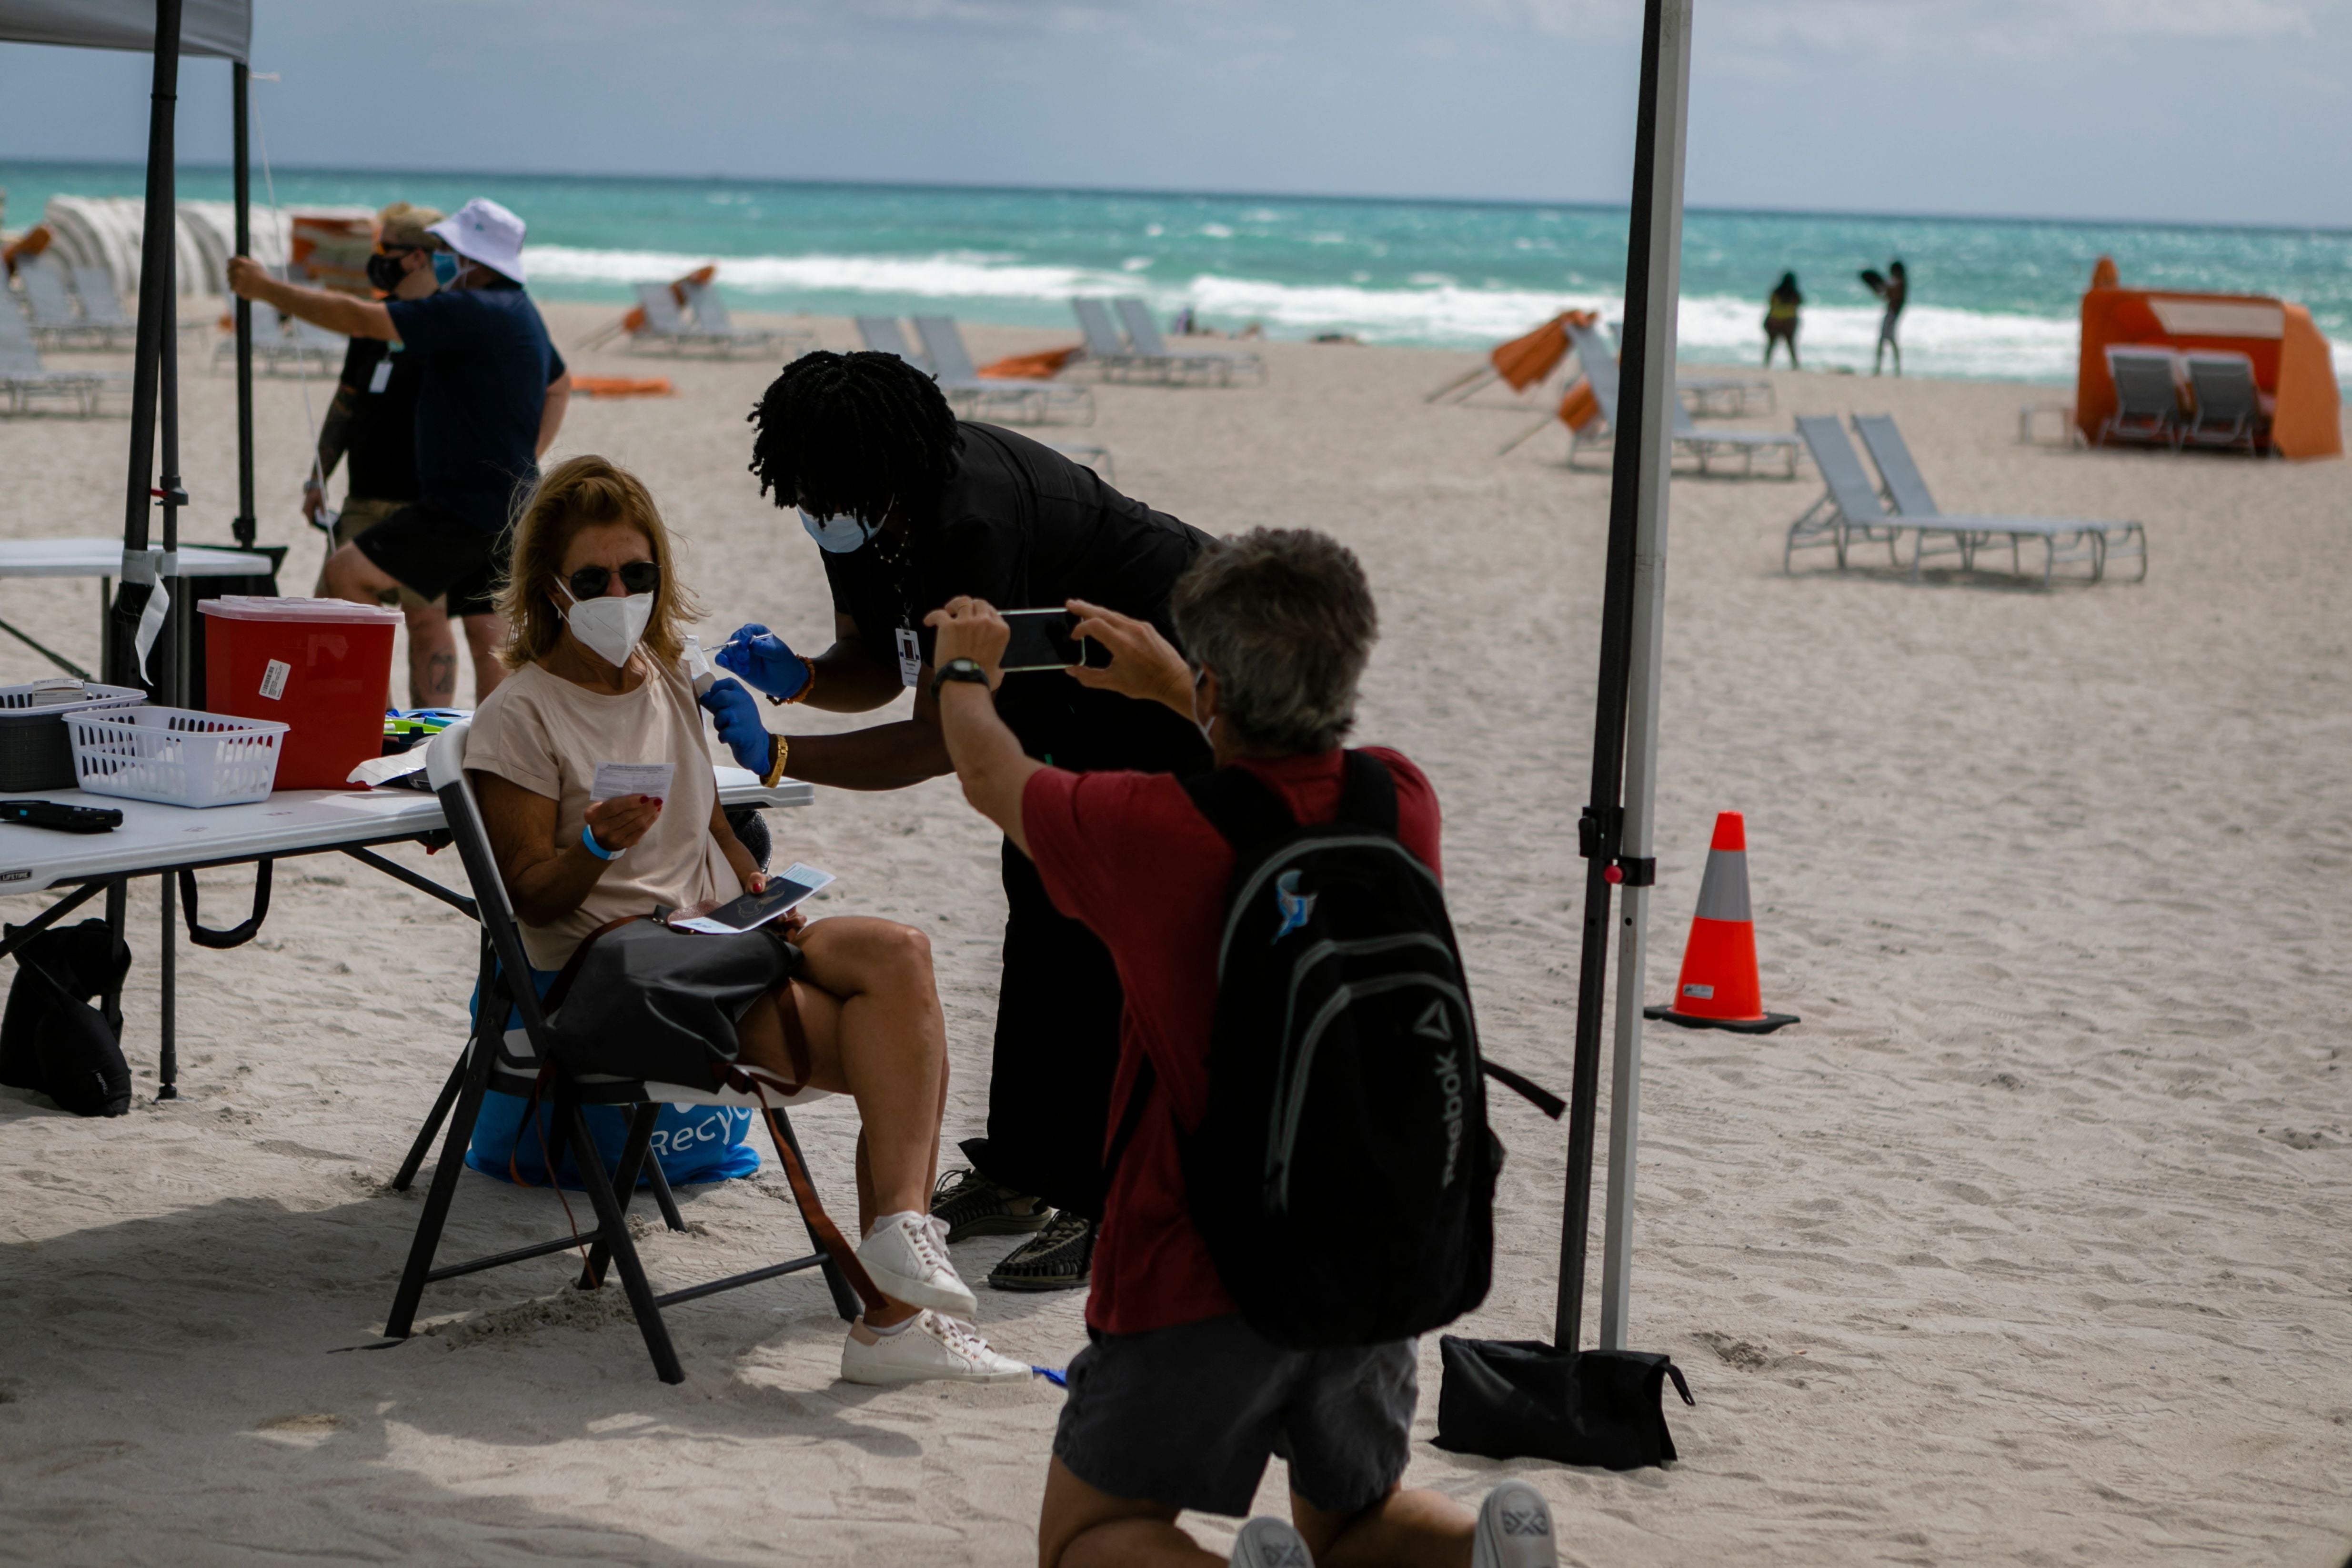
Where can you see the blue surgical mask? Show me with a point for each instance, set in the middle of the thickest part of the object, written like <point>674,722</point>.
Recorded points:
<point>445,268</point>
<point>841,535</point>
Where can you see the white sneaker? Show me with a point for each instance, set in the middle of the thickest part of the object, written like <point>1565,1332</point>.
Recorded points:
<point>1514,1530</point>
<point>907,1256</point>
<point>1269,1543</point>
<point>929,1348</point>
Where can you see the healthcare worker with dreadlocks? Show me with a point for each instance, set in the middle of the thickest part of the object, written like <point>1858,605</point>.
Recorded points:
<point>911,508</point>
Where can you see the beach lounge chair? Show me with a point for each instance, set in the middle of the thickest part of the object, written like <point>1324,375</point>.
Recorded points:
<point>883,335</point>
<point>1600,368</point>
<point>1725,396</point>
<point>711,317</point>
<point>295,348</point>
<point>667,330</point>
<point>2063,540</point>
<point>102,307</point>
<point>2229,403</point>
<point>1849,511</point>
<point>26,380</point>
<point>56,324</point>
<point>1214,367</point>
<point>973,395</point>
<point>1107,350</point>
<point>2148,395</point>
<point>512,1060</point>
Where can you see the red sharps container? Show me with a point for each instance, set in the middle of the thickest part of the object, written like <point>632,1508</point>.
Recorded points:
<point>322,666</point>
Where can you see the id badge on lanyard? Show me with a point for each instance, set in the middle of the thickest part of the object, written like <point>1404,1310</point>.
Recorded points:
<point>382,376</point>
<point>910,657</point>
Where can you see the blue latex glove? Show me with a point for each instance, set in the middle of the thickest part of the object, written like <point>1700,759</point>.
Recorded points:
<point>763,659</point>
<point>739,727</point>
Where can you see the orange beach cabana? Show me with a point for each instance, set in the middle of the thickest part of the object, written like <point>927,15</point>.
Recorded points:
<point>2293,365</point>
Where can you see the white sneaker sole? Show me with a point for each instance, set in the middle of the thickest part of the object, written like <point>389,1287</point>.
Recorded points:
<point>895,1377</point>
<point>1515,1530</point>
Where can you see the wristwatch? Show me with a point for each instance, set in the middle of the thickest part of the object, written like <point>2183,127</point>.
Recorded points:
<point>958,670</point>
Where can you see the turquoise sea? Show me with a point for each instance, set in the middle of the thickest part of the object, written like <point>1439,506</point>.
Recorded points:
<point>1989,297</point>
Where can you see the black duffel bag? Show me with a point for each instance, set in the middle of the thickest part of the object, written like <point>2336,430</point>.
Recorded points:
<point>1511,1399</point>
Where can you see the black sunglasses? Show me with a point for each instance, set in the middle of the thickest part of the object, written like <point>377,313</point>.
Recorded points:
<point>637,577</point>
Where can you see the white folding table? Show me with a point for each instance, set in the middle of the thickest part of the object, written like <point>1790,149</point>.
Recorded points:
<point>102,559</point>
<point>169,840</point>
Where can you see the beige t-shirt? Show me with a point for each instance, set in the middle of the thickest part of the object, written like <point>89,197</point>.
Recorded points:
<point>543,732</point>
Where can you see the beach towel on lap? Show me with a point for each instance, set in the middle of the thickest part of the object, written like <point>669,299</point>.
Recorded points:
<point>693,1142</point>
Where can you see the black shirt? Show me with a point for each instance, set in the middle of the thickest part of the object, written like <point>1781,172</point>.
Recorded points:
<point>487,363</point>
<point>1024,527</point>
<point>380,440</point>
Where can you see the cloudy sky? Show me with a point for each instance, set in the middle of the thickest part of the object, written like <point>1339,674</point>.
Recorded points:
<point>2220,110</point>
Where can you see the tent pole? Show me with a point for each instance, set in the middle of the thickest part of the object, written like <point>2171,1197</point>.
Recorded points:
<point>1643,449</point>
<point>1657,347</point>
<point>158,236</point>
<point>241,174</point>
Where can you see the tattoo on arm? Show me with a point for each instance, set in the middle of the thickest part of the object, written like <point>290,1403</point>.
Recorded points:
<point>334,428</point>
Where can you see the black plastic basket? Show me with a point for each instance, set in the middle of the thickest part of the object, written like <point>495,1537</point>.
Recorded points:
<point>36,749</point>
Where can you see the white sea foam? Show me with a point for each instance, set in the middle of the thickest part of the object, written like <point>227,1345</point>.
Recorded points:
<point>1432,309</point>
<point>948,275</point>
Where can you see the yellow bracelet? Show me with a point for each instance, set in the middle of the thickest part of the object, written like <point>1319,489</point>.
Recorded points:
<point>779,748</point>
<point>806,686</point>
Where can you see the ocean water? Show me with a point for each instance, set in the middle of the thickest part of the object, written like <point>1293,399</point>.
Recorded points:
<point>1989,297</point>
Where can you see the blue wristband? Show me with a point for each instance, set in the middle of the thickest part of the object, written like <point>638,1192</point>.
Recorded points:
<point>588,837</point>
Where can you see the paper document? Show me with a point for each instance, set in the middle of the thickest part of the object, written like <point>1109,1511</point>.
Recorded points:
<point>614,779</point>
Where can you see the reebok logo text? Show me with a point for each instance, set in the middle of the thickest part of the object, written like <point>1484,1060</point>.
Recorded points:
<point>1449,1084</point>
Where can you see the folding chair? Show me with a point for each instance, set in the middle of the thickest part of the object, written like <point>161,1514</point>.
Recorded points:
<point>520,1061</point>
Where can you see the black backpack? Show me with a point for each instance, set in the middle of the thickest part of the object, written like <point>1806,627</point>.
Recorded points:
<point>1342,1174</point>
<point>51,1038</point>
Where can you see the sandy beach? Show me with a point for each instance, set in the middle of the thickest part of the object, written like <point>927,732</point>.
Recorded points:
<point>2028,1244</point>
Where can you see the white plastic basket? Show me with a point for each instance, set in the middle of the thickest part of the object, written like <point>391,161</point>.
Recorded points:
<point>175,755</point>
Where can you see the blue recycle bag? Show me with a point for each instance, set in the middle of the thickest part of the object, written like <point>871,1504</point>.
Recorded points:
<point>693,1142</point>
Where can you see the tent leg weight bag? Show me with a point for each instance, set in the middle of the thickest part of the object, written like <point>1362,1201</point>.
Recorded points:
<point>52,1040</point>
<point>1510,1399</point>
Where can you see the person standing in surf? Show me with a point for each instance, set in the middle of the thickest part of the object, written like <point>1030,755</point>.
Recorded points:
<point>1780,319</point>
<point>1895,288</point>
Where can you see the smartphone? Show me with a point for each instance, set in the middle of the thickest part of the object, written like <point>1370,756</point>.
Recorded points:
<point>1042,640</point>
<point>784,889</point>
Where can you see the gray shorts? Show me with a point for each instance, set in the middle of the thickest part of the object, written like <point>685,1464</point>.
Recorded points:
<point>1186,1417</point>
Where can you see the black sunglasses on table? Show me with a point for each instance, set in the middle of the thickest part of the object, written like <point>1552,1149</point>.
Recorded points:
<point>637,577</point>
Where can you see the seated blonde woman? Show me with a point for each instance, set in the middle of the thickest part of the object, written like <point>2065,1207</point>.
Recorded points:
<point>846,1005</point>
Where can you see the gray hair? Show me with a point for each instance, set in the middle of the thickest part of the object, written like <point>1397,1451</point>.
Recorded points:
<point>1284,618</point>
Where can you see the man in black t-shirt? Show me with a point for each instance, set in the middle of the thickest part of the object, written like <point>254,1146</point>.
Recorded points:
<point>372,421</point>
<point>492,398</point>
<point>913,509</point>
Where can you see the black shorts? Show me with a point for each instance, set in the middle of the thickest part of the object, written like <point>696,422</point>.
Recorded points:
<point>1187,1417</point>
<point>434,554</point>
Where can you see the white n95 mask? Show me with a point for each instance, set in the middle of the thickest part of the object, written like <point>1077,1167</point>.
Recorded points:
<point>611,628</point>
<point>840,535</point>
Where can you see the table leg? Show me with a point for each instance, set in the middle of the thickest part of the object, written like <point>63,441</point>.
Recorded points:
<point>168,1060</point>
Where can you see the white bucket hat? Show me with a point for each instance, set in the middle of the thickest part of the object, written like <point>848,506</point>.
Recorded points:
<point>485,232</point>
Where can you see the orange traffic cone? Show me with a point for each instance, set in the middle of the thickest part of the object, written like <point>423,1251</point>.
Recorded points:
<point>1719,988</point>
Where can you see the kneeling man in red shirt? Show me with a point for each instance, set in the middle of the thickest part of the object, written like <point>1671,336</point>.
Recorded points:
<point>1177,1402</point>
